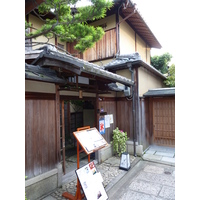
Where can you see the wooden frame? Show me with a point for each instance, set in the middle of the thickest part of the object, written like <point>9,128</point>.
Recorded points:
<point>84,137</point>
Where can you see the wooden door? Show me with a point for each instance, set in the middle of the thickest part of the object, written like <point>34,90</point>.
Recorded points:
<point>164,121</point>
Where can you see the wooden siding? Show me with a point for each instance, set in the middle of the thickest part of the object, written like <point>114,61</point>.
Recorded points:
<point>157,121</point>
<point>164,121</point>
<point>125,117</point>
<point>110,108</point>
<point>105,48</point>
<point>146,123</point>
<point>40,140</point>
<point>72,51</point>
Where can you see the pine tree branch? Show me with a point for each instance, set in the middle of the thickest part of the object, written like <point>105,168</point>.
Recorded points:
<point>41,33</point>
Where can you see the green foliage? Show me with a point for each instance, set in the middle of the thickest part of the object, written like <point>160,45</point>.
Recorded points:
<point>119,141</point>
<point>69,24</point>
<point>170,81</point>
<point>161,62</point>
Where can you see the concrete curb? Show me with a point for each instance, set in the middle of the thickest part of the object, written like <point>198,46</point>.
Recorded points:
<point>120,176</point>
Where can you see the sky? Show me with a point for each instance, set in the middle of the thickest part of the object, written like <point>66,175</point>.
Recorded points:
<point>160,18</point>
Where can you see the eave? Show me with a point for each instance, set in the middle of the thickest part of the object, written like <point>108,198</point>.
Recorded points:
<point>32,4</point>
<point>136,22</point>
<point>160,92</point>
<point>131,60</point>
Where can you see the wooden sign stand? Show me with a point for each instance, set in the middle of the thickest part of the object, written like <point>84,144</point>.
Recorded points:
<point>78,195</point>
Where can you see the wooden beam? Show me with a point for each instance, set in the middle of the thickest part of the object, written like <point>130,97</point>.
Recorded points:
<point>57,121</point>
<point>63,134</point>
<point>96,108</point>
<point>32,4</point>
<point>136,91</point>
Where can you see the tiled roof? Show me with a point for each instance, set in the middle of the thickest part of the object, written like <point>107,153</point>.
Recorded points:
<point>160,92</point>
<point>76,65</point>
<point>131,60</point>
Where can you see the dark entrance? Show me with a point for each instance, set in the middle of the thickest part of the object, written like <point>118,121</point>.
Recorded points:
<point>74,114</point>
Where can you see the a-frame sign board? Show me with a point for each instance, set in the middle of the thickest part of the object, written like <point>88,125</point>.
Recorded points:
<point>90,140</point>
<point>91,182</point>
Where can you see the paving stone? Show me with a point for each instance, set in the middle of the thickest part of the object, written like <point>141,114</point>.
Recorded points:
<point>163,179</point>
<point>167,192</point>
<point>154,169</point>
<point>152,157</point>
<point>49,198</point>
<point>138,196</point>
<point>145,187</point>
<point>166,154</point>
<point>167,159</point>
<point>158,148</point>
<point>113,161</point>
<point>150,152</point>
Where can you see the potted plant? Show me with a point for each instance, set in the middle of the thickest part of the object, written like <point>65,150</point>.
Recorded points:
<point>119,141</point>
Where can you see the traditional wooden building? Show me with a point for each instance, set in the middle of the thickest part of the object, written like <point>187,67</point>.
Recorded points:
<point>113,76</point>
<point>53,79</point>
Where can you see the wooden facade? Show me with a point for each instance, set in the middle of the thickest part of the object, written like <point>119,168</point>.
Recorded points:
<point>103,49</point>
<point>157,124</point>
<point>125,116</point>
<point>43,146</point>
<point>164,121</point>
<point>40,140</point>
<point>109,106</point>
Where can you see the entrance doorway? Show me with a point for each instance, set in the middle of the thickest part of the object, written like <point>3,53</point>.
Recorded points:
<point>74,114</point>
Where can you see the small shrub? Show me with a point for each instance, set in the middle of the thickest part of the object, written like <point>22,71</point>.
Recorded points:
<point>119,141</point>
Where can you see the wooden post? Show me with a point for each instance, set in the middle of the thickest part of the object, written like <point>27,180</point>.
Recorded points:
<point>57,127</point>
<point>63,133</point>
<point>137,103</point>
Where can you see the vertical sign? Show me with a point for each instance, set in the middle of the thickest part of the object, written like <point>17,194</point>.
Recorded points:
<point>107,121</point>
<point>102,125</point>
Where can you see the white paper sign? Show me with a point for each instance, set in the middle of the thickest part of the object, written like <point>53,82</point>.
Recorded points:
<point>111,118</point>
<point>91,182</point>
<point>91,139</point>
<point>107,121</point>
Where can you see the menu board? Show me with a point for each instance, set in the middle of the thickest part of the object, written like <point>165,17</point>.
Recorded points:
<point>90,140</point>
<point>91,182</point>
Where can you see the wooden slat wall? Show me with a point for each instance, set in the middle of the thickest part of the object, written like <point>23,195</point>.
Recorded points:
<point>125,117</point>
<point>146,116</point>
<point>72,51</point>
<point>104,48</point>
<point>164,121</point>
<point>110,108</point>
<point>40,147</point>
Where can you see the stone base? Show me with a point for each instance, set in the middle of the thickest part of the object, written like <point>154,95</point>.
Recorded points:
<point>130,148</point>
<point>107,152</point>
<point>104,154</point>
<point>43,184</point>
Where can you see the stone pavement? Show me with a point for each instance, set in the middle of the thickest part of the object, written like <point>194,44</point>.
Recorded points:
<point>146,181</point>
<point>160,154</point>
<point>109,170</point>
<point>151,177</point>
